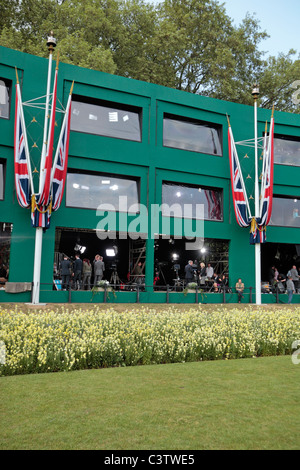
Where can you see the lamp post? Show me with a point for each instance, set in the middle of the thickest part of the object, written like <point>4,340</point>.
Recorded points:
<point>255,94</point>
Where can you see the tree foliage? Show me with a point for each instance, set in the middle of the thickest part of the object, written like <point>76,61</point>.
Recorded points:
<point>190,45</point>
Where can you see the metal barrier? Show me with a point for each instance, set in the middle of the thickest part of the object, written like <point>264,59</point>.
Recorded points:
<point>202,295</point>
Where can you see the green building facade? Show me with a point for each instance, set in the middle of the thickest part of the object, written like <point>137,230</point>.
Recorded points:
<point>150,145</point>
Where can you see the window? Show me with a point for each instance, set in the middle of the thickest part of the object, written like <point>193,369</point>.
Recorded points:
<point>2,173</point>
<point>287,150</point>
<point>185,198</point>
<point>193,135</point>
<point>89,190</point>
<point>105,118</point>
<point>5,95</point>
<point>285,212</point>
<point>5,237</point>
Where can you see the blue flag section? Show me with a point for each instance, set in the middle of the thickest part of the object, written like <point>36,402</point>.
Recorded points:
<point>21,157</point>
<point>239,195</point>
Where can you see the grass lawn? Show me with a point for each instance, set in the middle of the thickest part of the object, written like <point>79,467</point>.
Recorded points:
<point>237,404</point>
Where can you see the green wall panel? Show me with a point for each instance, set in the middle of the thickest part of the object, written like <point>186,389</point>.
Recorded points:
<point>148,160</point>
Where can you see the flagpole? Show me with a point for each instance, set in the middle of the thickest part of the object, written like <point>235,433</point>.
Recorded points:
<point>51,43</point>
<point>255,94</point>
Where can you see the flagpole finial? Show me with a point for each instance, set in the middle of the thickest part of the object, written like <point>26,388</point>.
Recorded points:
<point>57,60</point>
<point>228,120</point>
<point>273,110</point>
<point>72,86</point>
<point>17,77</point>
<point>51,42</point>
<point>255,91</point>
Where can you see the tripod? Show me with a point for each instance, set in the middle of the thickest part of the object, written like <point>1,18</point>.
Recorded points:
<point>178,284</point>
<point>160,272</point>
<point>114,278</point>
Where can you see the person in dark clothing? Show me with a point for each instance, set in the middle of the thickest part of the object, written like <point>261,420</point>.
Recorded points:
<point>224,283</point>
<point>65,273</point>
<point>77,272</point>
<point>189,272</point>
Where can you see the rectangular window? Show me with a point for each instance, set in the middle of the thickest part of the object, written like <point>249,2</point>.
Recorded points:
<point>185,198</point>
<point>188,134</point>
<point>5,96</point>
<point>2,176</point>
<point>89,190</point>
<point>106,118</point>
<point>5,238</point>
<point>287,150</point>
<point>285,211</point>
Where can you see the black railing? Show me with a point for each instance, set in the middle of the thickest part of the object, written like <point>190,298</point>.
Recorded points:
<point>110,291</point>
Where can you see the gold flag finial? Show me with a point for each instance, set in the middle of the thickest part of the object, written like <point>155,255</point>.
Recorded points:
<point>273,110</point>
<point>57,60</point>
<point>228,120</point>
<point>17,75</point>
<point>72,86</point>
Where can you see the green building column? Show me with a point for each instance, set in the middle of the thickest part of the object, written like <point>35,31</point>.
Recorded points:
<point>149,266</point>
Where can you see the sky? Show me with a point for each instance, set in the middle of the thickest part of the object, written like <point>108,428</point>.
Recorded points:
<point>279,18</point>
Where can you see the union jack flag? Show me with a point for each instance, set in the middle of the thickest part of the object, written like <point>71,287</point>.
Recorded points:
<point>59,171</point>
<point>21,155</point>
<point>240,201</point>
<point>267,174</point>
<point>43,198</point>
<point>41,203</point>
<point>258,230</point>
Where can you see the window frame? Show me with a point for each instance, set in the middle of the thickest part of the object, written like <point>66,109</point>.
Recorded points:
<point>8,84</point>
<point>3,163</point>
<point>137,180</point>
<point>208,124</point>
<point>109,105</point>
<point>291,138</point>
<point>286,197</point>
<point>195,186</point>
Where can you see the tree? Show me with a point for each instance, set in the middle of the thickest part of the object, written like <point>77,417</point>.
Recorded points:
<point>191,45</point>
<point>276,82</point>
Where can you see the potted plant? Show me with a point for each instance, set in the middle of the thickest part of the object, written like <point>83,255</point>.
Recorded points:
<point>190,288</point>
<point>101,287</point>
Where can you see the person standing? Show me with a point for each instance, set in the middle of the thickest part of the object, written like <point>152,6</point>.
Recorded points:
<point>239,287</point>
<point>209,271</point>
<point>138,271</point>
<point>77,272</point>
<point>293,273</point>
<point>290,287</point>
<point>202,274</point>
<point>99,269</point>
<point>189,272</point>
<point>86,274</point>
<point>65,273</point>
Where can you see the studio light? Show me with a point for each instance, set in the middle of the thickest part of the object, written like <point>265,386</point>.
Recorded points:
<point>110,252</point>
<point>79,248</point>
<point>203,250</point>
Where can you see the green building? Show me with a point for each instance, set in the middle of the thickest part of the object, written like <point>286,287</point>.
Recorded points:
<point>150,156</point>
